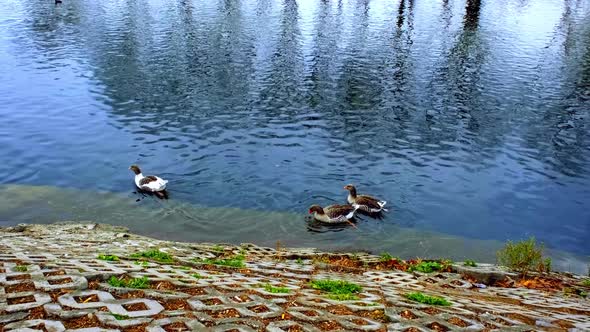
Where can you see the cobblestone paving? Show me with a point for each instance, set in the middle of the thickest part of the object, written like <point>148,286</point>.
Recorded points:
<point>52,280</point>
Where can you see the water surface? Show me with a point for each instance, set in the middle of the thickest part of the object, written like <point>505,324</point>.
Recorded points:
<point>469,117</point>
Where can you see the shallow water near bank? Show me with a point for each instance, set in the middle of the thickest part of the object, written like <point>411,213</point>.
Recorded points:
<point>183,221</point>
<point>469,117</point>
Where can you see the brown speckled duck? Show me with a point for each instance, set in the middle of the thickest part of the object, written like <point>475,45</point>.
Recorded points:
<point>364,202</point>
<point>332,214</point>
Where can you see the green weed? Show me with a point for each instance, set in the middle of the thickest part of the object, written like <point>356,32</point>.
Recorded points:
<point>426,267</point>
<point>385,257</point>
<point>120,317</point>
<point>337,289</point>
<point>139,283</point>
<point>21,268</point>
<point>271,289</point>
<point>156,255</point>
<point>470,262</point>
<point>110,258</point>
<point>235,261</point>
<point>426,299</point>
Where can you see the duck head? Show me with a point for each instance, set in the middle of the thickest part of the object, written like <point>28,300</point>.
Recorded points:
<point>135,169</point>
<point>351,189</point>
<point>316,209</point>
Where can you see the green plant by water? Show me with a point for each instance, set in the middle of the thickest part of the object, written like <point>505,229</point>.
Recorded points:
<point>470,262</point>
<point>523,256</point>
<point>385,257</point>
<point>427,299</point>
<point>428,267</point>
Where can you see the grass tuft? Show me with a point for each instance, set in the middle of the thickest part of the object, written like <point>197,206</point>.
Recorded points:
<point>585,282</point>
<point>385,257</point>
<point>156,255</point>
<point>138,283</point>
<point>235,261</point>
<point>21,268</point>
<point>470,262</point>
<point>426,267</point>
<point>198,276</point>
<point>110,258</point>
<point>426,299</point>
<point>343,297</point>
<point>120,317</point>
<point>271,289</point>
<point>339,290</point>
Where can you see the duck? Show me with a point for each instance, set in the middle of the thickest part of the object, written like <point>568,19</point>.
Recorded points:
<point>364,202</point>
<point>333,214</point>
<point>150,183</point>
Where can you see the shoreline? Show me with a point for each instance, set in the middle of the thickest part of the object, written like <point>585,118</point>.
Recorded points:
<point>233,225</point>
<point>68,276</point>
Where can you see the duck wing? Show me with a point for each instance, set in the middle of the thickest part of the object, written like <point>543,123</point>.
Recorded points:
<point>369,203</point>
<point>147,179</point>
<point>344,212</point>
<point>152,183</point>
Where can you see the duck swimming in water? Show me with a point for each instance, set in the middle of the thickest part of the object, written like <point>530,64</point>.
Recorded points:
<point>364,202</point>
<point>150,183</point>
<point>333,214</point>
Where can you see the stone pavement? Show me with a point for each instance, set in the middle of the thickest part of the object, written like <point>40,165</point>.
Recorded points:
<point>51,279</point>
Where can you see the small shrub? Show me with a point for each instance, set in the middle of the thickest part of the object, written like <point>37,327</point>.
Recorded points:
<point>197,276</point>
<point>142,263</point>
<point>470,262</point>
<point>521,256</point>
<point>271,289</point>
<point>156,255</point>
<point>110,258</point>
<point>426,299</point>
<point>299,261</point>
<point>21,268</point>
<point>585,282</point>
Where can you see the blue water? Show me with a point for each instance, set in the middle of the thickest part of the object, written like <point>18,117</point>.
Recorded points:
<point>469,117</point>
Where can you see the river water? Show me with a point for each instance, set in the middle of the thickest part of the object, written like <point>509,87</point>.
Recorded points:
<point>469,117</point>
